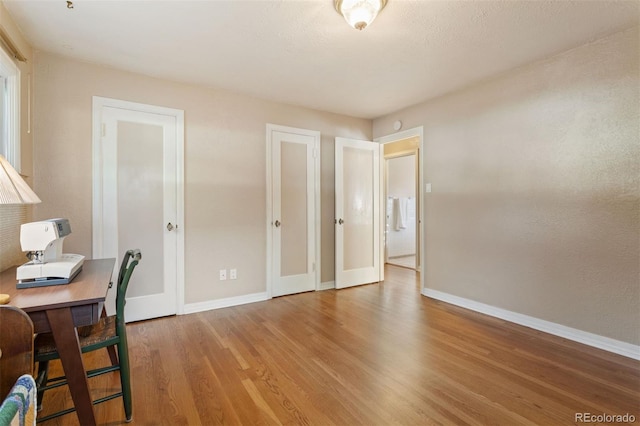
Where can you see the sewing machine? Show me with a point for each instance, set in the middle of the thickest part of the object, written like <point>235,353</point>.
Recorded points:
<point>48,265</point>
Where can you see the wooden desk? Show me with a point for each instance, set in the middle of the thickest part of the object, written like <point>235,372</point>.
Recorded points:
<point>59,309</point>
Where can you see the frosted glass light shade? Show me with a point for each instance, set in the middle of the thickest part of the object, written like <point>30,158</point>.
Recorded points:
<point>359,13</point>
<point>13,189</point>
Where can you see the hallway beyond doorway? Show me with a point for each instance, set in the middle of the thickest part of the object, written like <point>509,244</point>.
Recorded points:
<point>404,261</point>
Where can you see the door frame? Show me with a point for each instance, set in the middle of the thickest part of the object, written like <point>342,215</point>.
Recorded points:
<point>408,153</point>
<point>97,221</point>
<point>269,223</point>
<point>420,201</point>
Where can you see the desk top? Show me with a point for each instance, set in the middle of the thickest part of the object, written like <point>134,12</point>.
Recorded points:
<point>89,286</point>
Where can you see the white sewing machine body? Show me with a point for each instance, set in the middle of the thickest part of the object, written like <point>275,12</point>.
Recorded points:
<point>48,266</point>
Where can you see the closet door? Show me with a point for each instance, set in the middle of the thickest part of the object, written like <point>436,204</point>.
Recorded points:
<point>294,222</point>
<point>136,201</point>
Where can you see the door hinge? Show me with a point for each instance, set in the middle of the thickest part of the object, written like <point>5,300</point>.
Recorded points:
<point>104,130</point>
<point>313,267</point>
<point>315,153</point>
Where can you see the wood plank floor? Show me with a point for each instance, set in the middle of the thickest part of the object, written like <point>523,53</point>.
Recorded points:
<point>379,354</point>
<point>406,261</point>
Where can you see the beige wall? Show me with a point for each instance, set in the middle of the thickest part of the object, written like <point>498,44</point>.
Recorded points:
<point>225,166</point>
<point>535,202</point>
<point>10,251</point>
<point>535,180</point>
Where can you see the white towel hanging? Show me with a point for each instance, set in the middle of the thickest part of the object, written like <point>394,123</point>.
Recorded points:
<point>399,213</point>
<point>403,212</point>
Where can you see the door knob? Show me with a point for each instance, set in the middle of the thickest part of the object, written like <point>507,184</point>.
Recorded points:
<point>340,221</point>
<point>277,223</point>
<point>170,227</point>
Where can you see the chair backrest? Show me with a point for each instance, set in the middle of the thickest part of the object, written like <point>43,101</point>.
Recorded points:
<point>129,263</point>
<point>16,347</point>
<point>123,267</point>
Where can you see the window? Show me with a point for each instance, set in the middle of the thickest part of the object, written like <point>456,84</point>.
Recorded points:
<point>9,110</point>
<point>11,216</point>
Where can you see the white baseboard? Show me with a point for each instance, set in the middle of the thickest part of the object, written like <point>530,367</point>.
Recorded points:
<point>191,308</point>
<point>590,339</point>
<point>327,285</point>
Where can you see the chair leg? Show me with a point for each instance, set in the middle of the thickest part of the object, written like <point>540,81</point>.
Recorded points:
<point>125,378</point>
<point>112,351</point>
<point>41,380</point>
<point>112,355</point>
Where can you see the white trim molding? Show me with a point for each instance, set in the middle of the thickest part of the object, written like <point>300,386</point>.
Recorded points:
<point>405,134</point>
<point>601,342</point>
<point>228,302</point>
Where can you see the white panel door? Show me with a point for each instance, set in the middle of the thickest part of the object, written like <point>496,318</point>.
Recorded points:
<point>294,213</point>
<point>137,205</point>
<point>358,215</point>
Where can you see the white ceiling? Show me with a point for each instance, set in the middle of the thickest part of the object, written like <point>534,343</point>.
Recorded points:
<point>302,52</point>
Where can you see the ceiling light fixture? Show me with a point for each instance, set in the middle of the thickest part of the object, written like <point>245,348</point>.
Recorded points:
<point>359,13</point>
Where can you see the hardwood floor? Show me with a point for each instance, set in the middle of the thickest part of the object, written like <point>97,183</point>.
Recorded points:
<point>405,261</point>
<point>379,354</point>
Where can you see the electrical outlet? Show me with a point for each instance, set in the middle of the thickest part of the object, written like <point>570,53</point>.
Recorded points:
<point>223,274</point>
<point>233,274</point>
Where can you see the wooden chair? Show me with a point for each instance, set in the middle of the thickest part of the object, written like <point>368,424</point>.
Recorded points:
<point>110,331</point>
<point>16,346</point>
<point>17,389</point>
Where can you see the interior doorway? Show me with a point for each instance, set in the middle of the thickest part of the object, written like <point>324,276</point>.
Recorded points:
<point>401,220</point>
<point>402,206</point>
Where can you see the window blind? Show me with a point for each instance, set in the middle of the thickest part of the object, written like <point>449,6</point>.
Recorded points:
<point>11,217</point>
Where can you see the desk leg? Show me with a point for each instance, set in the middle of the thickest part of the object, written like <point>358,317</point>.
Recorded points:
<point>66,338</point>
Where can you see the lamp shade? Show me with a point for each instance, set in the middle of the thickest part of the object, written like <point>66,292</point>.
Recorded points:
<point>13,189</point>
<point>359,13</point>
